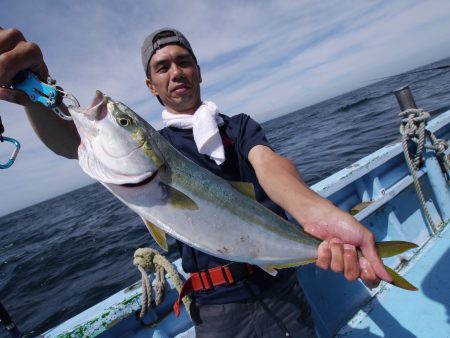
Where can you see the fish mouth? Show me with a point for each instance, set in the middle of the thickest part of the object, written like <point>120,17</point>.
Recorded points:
<point>97,110</point>
<point>94,114</point>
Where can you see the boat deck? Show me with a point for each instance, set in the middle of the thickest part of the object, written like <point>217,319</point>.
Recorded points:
<point>398,313</point>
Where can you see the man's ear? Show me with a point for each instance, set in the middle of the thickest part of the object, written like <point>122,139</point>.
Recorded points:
<point>151,87</point>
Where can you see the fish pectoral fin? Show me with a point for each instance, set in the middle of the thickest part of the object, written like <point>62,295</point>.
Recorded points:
<point>392,248</point>
<point>269,269</point>
<point>177,199</point>
<point>399,281</point>
<point>245,188</point>
<point>158,235</point>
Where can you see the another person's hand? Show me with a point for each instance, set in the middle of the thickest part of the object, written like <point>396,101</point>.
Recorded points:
<point>17,54</point>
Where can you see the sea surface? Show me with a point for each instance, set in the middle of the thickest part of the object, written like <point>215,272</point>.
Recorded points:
<point>61,256</point>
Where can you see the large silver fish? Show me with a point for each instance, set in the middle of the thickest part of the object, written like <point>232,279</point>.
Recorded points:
<point>176,196</point>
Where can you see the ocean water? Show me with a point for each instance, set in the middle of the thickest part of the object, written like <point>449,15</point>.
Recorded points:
<point>61,256</point>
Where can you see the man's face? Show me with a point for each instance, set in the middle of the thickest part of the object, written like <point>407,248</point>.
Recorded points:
<point>175,78</point>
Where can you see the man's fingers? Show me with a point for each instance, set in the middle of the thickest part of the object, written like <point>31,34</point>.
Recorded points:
<point>370,252</point>
<point>351,264</point>
<point>25,55</point>
<point>9,41</point>
<point>15,96</point>
<point>17,54</point>
<point>368,275</point>
<point>324,255</point>
<point>337,255</point>
<point>9,38</point>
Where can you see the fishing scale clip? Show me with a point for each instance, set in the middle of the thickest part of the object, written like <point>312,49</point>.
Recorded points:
<point>48,94</point>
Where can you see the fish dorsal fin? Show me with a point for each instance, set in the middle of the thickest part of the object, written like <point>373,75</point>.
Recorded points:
<point>176,198</point>
<point>158,235</point>
<point>244,187</point>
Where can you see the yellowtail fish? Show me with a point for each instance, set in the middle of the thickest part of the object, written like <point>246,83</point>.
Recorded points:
<point>174,195</point>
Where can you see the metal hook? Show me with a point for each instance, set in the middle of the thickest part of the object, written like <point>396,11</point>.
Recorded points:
<point>14,153</point>
<point>69,97</point>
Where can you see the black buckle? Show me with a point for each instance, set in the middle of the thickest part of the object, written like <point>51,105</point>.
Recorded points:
<point>224,273</point>
<point>239,271</point>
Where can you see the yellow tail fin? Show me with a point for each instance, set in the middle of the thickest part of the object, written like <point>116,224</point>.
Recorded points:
<point>399,281</point>
<point>392,248</point>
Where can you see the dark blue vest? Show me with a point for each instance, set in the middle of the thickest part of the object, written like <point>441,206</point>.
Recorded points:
<point>239,135</point>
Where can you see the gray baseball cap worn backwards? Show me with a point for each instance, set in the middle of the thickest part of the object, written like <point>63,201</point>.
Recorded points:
<point>170,36</point>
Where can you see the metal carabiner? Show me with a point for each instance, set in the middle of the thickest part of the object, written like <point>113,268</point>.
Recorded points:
<point>14,153</point>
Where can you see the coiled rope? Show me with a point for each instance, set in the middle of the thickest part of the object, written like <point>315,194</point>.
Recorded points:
<point>440,146</point>
<point>412,128</point>
<point>147,259</point>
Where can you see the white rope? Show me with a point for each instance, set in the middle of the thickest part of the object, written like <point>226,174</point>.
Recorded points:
<point>412,128</point>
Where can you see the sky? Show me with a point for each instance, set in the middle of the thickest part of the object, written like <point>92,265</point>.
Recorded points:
<point>263,58</point>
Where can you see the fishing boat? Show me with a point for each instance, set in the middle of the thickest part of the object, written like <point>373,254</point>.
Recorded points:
<point>397,197</point>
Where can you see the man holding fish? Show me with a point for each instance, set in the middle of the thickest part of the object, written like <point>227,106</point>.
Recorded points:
<point>241,300</point>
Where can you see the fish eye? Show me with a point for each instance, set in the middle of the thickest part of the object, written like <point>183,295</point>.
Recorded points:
<point>124,122</point>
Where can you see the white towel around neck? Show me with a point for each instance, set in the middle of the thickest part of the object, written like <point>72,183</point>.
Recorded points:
<point>204,124</point>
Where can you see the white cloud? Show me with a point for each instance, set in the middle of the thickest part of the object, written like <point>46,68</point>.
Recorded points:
<point>264,58</point>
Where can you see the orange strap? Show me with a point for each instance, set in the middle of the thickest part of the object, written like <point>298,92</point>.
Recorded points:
<point>208,279</point>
